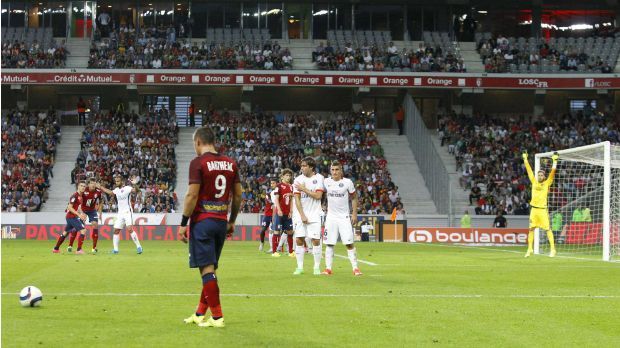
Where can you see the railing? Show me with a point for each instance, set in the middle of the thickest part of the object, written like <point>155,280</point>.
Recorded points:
<point>431,166</point>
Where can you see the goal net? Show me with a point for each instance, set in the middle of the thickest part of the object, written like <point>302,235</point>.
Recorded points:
<point>584,202</point>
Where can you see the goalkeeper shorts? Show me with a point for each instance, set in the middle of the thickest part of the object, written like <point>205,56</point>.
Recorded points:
<point>539,218</point>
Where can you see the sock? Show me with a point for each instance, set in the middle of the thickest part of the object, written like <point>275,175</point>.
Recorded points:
<point>284,242</point>
<point>115,239</point>
<point>134,237</point>
<point>329,256</point>
<point>203,304</point>
<point>530,240</point>
<point>262,236</point>
<point>72,238</point>
<point>61,239</point>
<point>95,237</point>
<point>551,241</point>
<point>316,252</point>
<point>280,242</point>
<point>271,240</point>
<point>299,253</point>
<point>212,291</point>
<point>289,240</point>
<point>81,241</point>
<point>353,257</point>
<point>274,243</point>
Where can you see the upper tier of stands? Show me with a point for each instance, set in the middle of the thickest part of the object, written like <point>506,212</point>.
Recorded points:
<point>556,55</point>
<point>31,48</point>
<point>360,50</point>
<point>155,48</point>
<point>374,51</point>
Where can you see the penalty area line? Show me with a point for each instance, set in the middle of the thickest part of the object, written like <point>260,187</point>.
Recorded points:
<point>358,260</point>
<point>516,252</point>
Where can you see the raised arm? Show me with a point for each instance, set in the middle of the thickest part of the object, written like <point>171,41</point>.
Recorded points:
<point>555,158</point>
<point>134,184</point>
<point>105,190</point>
<point>530,174</point>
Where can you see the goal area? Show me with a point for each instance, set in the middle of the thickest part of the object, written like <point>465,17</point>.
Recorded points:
<point>584,202</point>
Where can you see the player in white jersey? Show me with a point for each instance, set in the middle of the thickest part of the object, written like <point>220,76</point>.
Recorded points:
<point>124,217</point>
<point>340,218</point>
<point>308,190</point>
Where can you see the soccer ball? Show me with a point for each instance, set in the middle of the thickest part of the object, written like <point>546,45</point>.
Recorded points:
<point>30,296</point>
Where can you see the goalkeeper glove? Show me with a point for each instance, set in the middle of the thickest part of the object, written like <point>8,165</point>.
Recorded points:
<point>555,157</point>
<point>525,156</point>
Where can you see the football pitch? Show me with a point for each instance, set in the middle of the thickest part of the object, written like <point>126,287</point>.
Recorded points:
<point>410,295</point>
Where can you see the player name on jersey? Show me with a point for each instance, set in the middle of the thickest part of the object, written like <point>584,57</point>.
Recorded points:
<point>220,165</point>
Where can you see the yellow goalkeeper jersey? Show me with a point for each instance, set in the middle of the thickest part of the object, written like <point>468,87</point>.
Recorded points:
<point>539,189</point>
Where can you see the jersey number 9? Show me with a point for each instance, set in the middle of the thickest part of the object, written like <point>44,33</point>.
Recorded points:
<point>220,185</point>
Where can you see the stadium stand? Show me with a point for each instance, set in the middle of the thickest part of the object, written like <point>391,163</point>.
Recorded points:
<point>264,143</point>
<point>132,144</point>
<point>488,152</point>
<point>29,140</point>
<point>159,48</point>
<point>30,48</point>
<point>375,51</point>
<point>520,55</point>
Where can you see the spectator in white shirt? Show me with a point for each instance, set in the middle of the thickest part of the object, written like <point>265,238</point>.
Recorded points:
<point>268,64</point>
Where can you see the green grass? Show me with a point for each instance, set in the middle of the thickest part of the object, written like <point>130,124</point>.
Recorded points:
<point>417,295</point>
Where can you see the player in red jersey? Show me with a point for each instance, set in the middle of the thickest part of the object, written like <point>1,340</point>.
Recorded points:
<point>268,213</point>
<point>93,209</point>
<point>284,197</point>
<point>75,219</point>
<point>214,189</point>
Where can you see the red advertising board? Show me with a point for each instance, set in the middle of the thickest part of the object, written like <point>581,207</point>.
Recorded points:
<point>147,232</point>
<point>471,236</point>
<point>317,79</point>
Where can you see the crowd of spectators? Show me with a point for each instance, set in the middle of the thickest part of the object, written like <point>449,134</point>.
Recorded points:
<point>29,141</point>
<point>389,58</point>
<point>31,55</point>
<point>159,48</point>
<point>264,143</point>
<point>488,152</point>
<point>500,55</point>
<point>131,144</point>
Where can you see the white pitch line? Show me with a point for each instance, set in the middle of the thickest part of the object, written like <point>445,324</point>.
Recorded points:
<point>515,252</point>
<point>358,260</point>
<point>113,294</point>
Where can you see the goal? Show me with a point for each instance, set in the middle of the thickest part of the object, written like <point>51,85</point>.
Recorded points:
<point>584,202</point>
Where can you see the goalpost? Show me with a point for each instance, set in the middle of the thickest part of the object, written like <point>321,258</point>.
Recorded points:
<point>584,202</point>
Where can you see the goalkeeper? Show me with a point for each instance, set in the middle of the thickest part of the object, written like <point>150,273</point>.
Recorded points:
<point>539,215</point>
